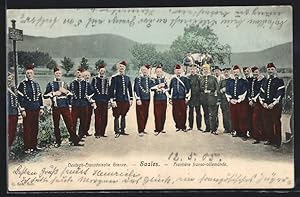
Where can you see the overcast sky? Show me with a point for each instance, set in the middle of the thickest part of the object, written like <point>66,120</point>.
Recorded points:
<point>243,28</point>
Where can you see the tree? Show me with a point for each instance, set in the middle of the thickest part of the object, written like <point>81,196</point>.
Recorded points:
<point>195,39</point>
<point>99,62</point>
<point>144,54</point>
<point>200,40</point>
<point>40,59</point>
<point>84,63</point>
<point>50,65</point>
<point>67,64</point>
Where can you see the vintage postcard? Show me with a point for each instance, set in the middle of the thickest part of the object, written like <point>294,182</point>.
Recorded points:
<point>150,98</point>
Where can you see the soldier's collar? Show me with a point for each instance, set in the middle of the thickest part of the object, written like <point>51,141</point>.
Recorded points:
<point>55,79</point>
<point>274,76</point>
<point>101,76</point>
<point>26,79</point>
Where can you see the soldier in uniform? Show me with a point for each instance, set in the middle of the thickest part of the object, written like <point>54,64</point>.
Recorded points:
<point>100,86</point>
<point>57,91</point>
<point>249,78</point>
<point>180,95</point>
<point>290,97</point>
<point>272,92</point>
<point>247,73</point>
<point>209,88</point>
<point>224,102</point>
<point>217,73</point>
<point>236,92</point>
<point>81,96</point>
<point>121,98</point>
<point>160,88</point>
<point>87,77</point>
<point>30,99</point>
<point>13,110</point>
<point>142,85</point>
<point>254,104</point>
<point>194,102</point>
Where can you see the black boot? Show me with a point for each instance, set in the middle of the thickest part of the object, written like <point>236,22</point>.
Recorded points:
<point>116,127</point>
<point>123,126</point>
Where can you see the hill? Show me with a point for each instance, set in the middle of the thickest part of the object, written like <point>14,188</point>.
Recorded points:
<point>281,55</point>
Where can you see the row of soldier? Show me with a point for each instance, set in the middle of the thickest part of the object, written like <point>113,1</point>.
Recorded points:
<point>250,106</point>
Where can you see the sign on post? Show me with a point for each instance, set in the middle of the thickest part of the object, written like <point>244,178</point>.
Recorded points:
<point>15,34</point>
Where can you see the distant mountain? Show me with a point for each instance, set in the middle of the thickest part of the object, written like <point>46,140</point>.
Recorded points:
<point>114,46</point>
<point>90,46</point>
<point>281,55</point>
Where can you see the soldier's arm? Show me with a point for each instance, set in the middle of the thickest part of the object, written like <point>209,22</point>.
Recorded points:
<point>48,92</point>
<point>227,91</point>
<point>154,85</point>
<point>130,89</point>
<point>21,96</point>
<point>40,97</point>
<point>112,89</point>
<point>216,84</point>
<point>188,88</point>
<point>280,92</point>
<point>90,92</point>
<point>170,87</point>
<point>244,92</point>
<point>136,89</point>
<point>93,87</point>
<point>262,94</point>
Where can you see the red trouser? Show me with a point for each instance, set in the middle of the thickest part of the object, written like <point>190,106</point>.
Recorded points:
<point>160,108</point>
<point>101,118</point>
<point>142,115</point>
<point>179,113</point>
<point>121,109</point>
<point>239,117</point>
<point>250,118</point>
<point>89,117</point>
<point>31,127</point>
<point>81,113</point>
<point>12,128</point>
<point>272,124</point>
<point>257,121</point>
<point>67,117</point>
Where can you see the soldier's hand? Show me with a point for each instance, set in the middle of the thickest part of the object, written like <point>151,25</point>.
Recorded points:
<point>170,101</point>
<point>41,111</point>
<point>138,102</point>
<point>63,90</point>
<point>130,102</point>
<point>186,101</point>
<point>109,105</point>
<point>161,85</point>
<point>94,105</point>
<point>57,93</point>
<point>233,101</point>
<point>251,103</point>
<point>271,106</point>
<point>218,103</point>
<point>23,113</point>
<point>265,105</point>
<point>114,104</point>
